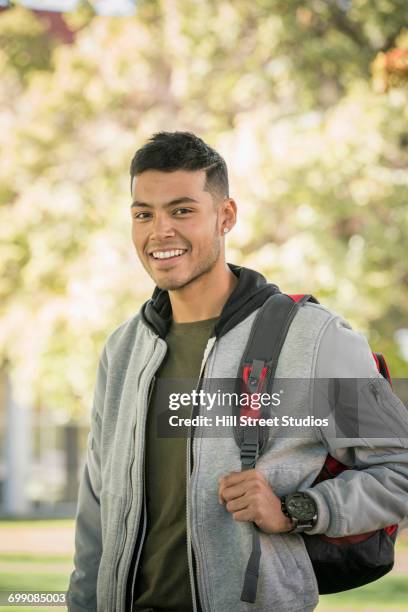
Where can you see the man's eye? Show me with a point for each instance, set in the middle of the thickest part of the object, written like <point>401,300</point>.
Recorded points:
<point>140,216</point>
<point>184,210</point>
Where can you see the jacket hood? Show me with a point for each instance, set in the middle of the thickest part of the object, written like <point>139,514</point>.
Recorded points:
<point>249,294</point>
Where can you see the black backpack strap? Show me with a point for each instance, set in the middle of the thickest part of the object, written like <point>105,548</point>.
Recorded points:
<point>261,354</point>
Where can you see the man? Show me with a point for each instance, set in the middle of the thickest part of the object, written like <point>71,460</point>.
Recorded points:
<point>165,523</point>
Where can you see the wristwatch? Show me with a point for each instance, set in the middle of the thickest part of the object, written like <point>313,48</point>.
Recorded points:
<point>302,509</point>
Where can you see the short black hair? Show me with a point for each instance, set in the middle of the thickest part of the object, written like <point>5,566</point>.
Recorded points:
<point>170,151</point>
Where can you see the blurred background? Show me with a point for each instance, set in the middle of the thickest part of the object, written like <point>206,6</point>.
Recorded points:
<point>308,103</point>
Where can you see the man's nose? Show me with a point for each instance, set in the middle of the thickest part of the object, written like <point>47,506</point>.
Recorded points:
<point>162,227</point>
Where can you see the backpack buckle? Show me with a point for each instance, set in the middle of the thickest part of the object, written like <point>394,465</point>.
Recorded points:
<point>255,374</point>
<point>249,454</point>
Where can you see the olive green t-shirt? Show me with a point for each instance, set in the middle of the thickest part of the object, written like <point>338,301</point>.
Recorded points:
<point>163,581</point>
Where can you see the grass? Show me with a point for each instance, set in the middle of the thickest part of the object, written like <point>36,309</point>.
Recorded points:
<point>30,558</point>
<point>387,594</point>
<point>41,573</point>
<point>35,581</point>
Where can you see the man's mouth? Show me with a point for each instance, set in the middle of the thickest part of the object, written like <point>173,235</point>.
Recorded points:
<point>166,255</point>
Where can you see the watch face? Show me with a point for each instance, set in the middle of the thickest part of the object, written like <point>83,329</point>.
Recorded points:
<point>301,507</point>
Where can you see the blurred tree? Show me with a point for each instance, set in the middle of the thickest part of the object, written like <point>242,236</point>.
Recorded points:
<point>294,94</point>
<point>24,47</point>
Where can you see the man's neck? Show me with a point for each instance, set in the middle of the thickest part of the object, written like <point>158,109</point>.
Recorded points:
<point>204,298</point>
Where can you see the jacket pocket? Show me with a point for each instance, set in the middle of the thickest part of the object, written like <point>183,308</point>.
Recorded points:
<point>286,575</point>
<point>286,580</point>
<point>112,524</point>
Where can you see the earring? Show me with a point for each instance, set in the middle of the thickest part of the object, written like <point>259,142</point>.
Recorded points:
<point>225,230</point>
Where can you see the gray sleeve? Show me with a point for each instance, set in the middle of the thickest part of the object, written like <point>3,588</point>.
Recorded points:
<point>374,493</point>
<point>88,539</point>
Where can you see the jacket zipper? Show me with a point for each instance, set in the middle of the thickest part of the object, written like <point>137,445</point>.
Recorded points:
<point>129,505</point>
<point>192,558</point>
<point>142,537</point>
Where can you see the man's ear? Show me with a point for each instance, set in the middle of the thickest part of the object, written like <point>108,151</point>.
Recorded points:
<point>229,213</point>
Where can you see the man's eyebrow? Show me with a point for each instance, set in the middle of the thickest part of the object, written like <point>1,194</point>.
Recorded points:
<point>182,200</point>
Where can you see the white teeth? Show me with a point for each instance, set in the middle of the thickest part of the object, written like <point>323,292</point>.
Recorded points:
<point>167,254</point>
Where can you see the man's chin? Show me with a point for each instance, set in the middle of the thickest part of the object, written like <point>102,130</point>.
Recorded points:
<point>173,284</point>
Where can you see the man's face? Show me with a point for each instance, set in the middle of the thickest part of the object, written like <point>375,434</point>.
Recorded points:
<point>175,226</point>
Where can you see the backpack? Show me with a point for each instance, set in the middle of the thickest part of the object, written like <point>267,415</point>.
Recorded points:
<point>339,563</point>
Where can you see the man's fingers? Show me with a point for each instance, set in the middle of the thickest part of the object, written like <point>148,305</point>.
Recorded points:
<point>244,515</point>
<point>237,504</point>
<point>229,493</point>
<point>236,477</point>
<point>226,481</point>
<point>251,499</point>
<point>235,484</point>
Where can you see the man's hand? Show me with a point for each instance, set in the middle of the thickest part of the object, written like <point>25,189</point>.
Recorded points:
<point>249,497</point>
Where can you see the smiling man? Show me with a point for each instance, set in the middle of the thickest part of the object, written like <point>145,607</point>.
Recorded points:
<point>166,523</point>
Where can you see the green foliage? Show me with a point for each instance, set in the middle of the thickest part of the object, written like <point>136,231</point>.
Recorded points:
<point>23,47</point>
<point>318,160</point>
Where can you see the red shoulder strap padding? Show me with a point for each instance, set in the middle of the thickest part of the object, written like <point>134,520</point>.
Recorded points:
<point>296,297</point>
<point>248,410</point>
<point>382,366</point>
<point>299,297</point>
